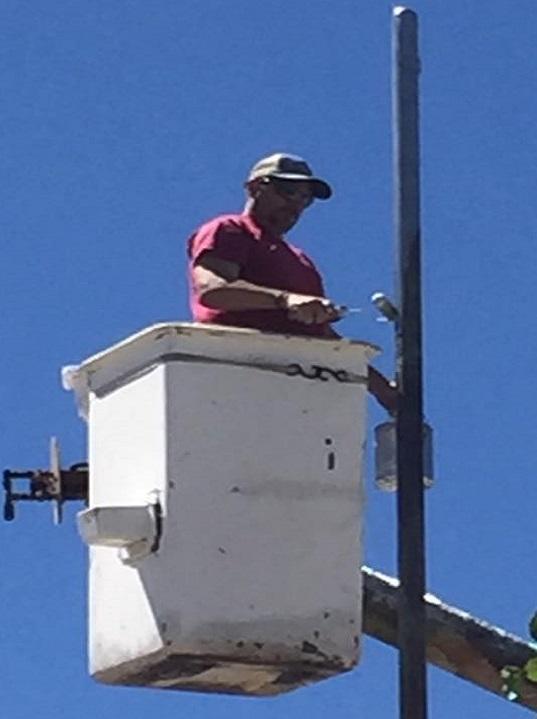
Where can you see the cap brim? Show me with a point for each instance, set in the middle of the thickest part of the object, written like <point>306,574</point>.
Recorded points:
<point>321,189</point>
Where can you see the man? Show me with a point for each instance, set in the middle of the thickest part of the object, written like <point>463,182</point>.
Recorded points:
<point>244,273</point>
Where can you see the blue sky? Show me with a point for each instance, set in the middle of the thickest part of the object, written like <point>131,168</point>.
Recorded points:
<point>125,125</point>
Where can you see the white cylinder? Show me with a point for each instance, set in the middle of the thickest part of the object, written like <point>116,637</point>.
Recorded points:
<point>386,456</point>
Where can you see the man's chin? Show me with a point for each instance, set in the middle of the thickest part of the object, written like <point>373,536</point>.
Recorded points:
<point>280,223</point>
<point>284,224</point>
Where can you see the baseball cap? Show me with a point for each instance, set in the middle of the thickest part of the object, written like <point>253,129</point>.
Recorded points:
<point>283,166</point>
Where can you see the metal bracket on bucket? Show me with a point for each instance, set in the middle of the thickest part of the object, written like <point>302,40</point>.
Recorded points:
<point>55,485</point>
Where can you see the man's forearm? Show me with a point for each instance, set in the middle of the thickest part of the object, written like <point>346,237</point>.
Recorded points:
<point>219,287</point>
<point>241,295</point>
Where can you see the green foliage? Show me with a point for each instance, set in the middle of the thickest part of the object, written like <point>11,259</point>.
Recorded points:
<point>530,670</point>
<point>513,676</point>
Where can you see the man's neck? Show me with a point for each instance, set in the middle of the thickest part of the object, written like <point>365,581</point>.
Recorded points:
<point>258,221</point>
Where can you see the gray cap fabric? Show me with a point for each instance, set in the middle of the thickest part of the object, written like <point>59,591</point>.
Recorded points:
<point>283,166</point>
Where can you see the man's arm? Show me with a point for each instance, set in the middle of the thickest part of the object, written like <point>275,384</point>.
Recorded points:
<point>219,287</point>
<point>384,391</point>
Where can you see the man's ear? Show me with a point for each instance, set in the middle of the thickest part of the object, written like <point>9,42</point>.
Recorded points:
<point>254,188</point>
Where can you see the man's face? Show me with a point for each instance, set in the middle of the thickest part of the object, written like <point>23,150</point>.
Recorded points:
<point>278,204</point>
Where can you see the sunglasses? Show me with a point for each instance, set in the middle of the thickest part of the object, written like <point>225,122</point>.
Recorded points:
<point>290,190</point>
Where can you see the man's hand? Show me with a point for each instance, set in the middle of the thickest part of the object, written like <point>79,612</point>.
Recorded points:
<point>308,309</point>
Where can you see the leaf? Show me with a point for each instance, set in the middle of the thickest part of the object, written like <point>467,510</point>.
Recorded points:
<point>530,670</point>
<point>533,627</point>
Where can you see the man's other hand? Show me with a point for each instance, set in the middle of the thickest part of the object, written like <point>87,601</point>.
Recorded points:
<point>384,391</point>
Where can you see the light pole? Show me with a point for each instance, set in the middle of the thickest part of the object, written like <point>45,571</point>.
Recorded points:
<point>410,499</point>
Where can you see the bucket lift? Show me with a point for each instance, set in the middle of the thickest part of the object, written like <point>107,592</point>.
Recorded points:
<point>224,508</point>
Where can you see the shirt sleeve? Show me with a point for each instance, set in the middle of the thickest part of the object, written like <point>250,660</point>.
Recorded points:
<point>223,238</point>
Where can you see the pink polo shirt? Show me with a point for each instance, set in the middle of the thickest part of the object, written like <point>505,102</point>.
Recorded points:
<point>264,260</point>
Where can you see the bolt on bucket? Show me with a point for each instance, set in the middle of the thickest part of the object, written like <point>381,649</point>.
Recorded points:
<point>386,456</point>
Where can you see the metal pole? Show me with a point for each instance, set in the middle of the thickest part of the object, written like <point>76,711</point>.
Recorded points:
<point>410,504</point>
